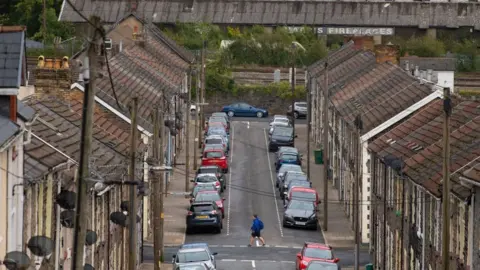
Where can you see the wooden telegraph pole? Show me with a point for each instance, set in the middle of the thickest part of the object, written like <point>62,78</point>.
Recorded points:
<point>187,134</point>
<point>132,211</point>
<point>356,191</point>
<point>80,231</point>
<point>156,191</point>
<point>447,108</point>
<point>309,123</point>
<point>197,128</point>
<point>159,229</point>
<point>326,161</point>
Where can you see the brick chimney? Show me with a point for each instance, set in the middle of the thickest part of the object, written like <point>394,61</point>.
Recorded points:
<point>361,42</point>
<point>53,77</point>
<point>387,53</point>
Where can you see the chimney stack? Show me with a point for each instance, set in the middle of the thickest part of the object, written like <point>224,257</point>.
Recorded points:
<point>386,53</point>
<point>53,77</point>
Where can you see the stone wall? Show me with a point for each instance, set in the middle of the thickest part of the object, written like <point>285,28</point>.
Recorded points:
<point>269,101</point>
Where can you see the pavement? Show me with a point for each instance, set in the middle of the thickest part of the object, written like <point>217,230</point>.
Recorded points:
<point>251,190</point>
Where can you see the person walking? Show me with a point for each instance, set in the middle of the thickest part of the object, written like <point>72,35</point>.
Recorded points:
<point>257,227</point>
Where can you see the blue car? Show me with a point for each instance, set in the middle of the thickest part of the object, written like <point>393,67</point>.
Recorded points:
<point>244,109</point>
<point>287,158</point>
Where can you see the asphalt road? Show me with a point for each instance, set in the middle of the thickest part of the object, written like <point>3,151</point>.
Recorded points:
<point>251,190</point>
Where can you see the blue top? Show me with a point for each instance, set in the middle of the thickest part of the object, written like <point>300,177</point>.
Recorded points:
<point>256,225</point>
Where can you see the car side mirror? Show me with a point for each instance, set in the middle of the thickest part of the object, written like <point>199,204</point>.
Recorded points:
<point>193,180</point>
<point>250,107</point>
<point>299,255</point>
<point>223,199</point>
<point>174,256</point>
<point>215,253</point>
<point>336,260</point>
<point>296,136</point>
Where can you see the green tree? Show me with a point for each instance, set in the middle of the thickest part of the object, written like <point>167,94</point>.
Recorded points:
<point>424,47</point>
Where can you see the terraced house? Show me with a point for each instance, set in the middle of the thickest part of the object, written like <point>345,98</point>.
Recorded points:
<point>407,189</point>
<point>367,87</point>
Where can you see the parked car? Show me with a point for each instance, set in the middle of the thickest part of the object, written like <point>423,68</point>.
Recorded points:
<point>302,194</point>
<point>280,120</point>
<point>298,183</point>
<point>312,252</point>
<point>287,149</point>
<point>301,214</point>
<point>207,179</point>
<point>287,158</point>
<point>217,140</point>
<point>290,176</point>
<point>204,187</point>
<point>218,120</point>
<point>284,168</point>
<point>194,266</point>
<point>210,196</point>
<point>323,265</point>
<point>244,109</point>
<point>195,253</point>
<point>300,110</point>
<point>216,170</point>
<point>215,157</point>
<point>204,215</point>
<point>277,124</point>
<point>281,136</point>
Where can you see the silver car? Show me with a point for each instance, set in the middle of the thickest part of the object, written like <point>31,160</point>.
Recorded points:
<point>191,254</point>
<point>194,266</point>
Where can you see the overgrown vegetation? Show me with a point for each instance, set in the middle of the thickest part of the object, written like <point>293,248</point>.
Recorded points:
<point>30,14</point>
<point>282,90</point>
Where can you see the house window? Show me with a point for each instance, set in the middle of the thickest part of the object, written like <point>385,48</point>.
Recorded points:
<point>368,166</point>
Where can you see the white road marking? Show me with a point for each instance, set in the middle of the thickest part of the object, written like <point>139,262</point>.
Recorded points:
<point>323,233</point>
<point>281,246</point>
<point>230,180</point>
<point>214,245</point>
<point>248,124</point>
<point>228,260</point>
<point>228,246</point>
<point>253,264</point>
<point>273,184</point>
<point>245,260</point>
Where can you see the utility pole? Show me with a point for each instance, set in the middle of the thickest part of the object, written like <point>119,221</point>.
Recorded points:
<point>309,122</point>
<point>202,96</point>
<point>159,229</point>
<point>197,128</point>
<point>132,211</point>
<point>85,149</point>
<point>156,191</point>
<point>356,192</point>
<point>293,87</point>
<point>447,108</point>
<point>45,22</point>
<point>187,134</point>
<point>326,161</point>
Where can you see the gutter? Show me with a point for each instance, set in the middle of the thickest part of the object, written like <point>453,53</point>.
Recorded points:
<point>469,182</point>
<point>7,144</point>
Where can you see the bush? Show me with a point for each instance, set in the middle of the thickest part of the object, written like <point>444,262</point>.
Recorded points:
<point>281,90</point>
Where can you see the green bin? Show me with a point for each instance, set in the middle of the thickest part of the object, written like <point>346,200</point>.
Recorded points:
<point>369,266</point>
<point>318,154</point>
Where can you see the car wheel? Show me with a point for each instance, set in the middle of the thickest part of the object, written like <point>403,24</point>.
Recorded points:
<point>259,114</point>
<point>192,111</point>
<point>231,114</point>
<point>295,114</point>
<point>276,185</point>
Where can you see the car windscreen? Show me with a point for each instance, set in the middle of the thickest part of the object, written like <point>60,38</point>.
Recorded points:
<point>208,170</point>
<point>281,120</point>
<point>201,208</point>
<point>199,188</point>
<point>214,141</point>
<point>304,195</point>
<point>299,184</point>
<point>296,177</point>
<point>282,131</point>
<point>301,205</point>
<point>206,179</point>
<point>207,197</point>
<point>216,131</point>
<point>287,167</point>
<point>213,154</point>
<point>318,253</point>
<point>288,157</point>
<point>196,256</point>
<point>322,266</point>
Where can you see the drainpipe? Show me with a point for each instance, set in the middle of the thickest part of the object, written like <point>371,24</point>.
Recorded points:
<point>169,155</point>
<point>423,233</point>
<point>58,231</point>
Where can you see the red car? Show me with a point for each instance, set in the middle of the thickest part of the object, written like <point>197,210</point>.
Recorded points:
<point>210,196</point>
<point>303,194</point>
<point>217,157</point>
<point>314,252</point>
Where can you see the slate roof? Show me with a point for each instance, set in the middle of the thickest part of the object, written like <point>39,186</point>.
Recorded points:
<point>109,148</point>
<point>40,158</point>
<point>274,12</point>
<point>473,173</point>
<point>378,95</point>
<point>418,142</point>
<point>433,63</point>
<point>12,52</point>
<point>133,76</point>
<point>334,58</point>
<point>7,129</point>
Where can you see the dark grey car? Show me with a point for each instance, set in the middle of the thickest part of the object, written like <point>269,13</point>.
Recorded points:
<point>301,214</point>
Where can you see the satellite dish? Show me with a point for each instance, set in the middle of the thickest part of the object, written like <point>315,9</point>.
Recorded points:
<point>16,260</point>
<point>99,187</point>
<point>118,218</point>
<point>40,246</point>
<point>67,218</point>
<point>90,238</point>
<point>169,123</point>
<point>88,267</point>
<point>66,199</point>
<point>173,132</point>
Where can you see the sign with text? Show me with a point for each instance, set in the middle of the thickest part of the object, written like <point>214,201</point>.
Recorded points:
<point>356,31</point>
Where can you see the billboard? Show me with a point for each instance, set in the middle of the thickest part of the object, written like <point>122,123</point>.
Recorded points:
<point>357,31</point>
